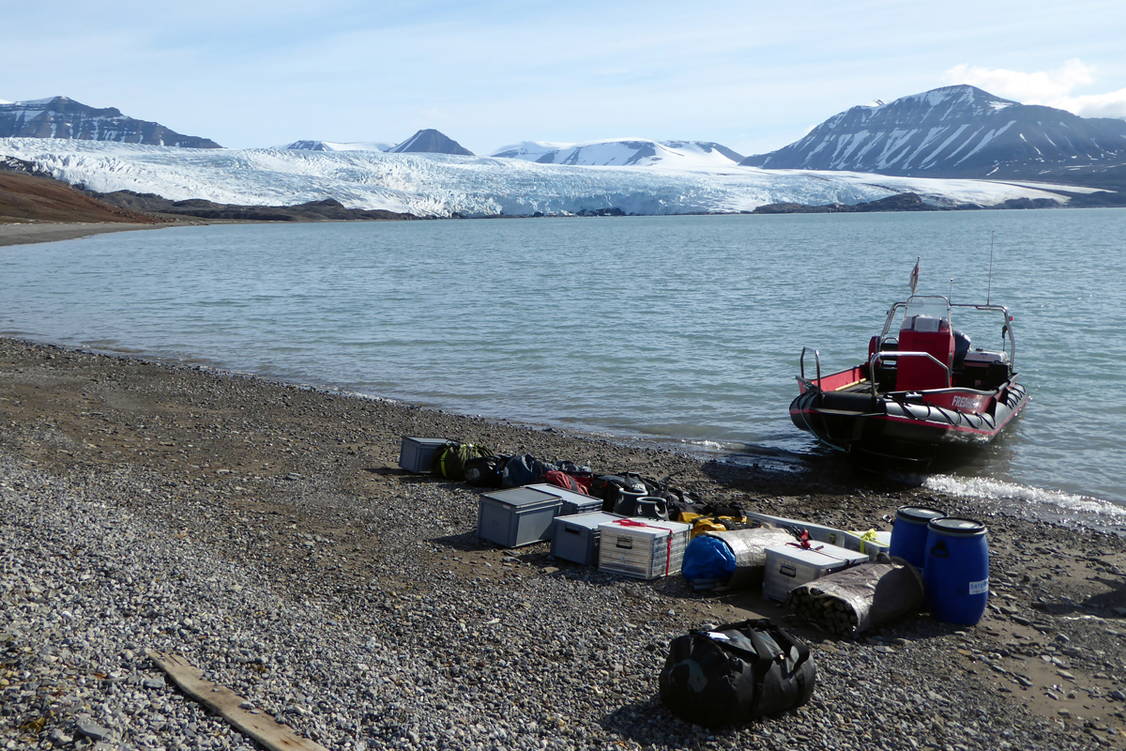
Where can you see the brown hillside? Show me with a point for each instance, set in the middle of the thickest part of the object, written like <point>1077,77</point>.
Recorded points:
<point>29,198</point>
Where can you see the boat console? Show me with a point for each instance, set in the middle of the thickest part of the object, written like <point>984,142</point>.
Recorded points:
<point>930,335</point>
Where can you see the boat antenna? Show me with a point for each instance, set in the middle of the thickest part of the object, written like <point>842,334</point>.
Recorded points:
<point>989,287</point>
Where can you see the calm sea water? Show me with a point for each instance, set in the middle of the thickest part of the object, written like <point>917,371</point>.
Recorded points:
<point>683,329</point>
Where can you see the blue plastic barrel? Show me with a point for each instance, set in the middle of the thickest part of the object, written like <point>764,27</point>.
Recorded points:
<point>909,533</point>
<point>956,575</point>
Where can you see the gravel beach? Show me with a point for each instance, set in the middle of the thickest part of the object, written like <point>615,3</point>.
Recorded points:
<point>264,532</point>
<point>20,233</point>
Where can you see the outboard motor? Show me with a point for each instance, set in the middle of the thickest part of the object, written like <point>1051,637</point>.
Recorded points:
<point>961,347</point>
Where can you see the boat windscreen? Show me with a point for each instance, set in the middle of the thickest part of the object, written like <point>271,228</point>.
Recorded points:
<point>932,307</point>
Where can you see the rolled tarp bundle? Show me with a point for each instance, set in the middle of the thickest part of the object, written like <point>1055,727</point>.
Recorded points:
<point>735,559</point>
<point>859,598</point>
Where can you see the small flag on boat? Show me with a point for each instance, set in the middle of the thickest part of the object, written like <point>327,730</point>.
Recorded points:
<point>915,275</point>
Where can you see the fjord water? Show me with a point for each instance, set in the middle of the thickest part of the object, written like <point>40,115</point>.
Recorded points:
<point>684,329</point>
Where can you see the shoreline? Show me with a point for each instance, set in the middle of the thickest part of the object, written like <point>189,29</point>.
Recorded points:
<point>27,233</point>
<point>1105,517</point>
<point>261,528</point>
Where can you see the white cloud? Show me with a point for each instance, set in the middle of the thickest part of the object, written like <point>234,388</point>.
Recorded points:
<point>1054,88</point>
<point>1038,87</point>
<point>1110,104</point>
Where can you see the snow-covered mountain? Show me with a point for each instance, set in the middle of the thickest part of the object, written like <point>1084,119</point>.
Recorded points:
<point>954,131</point>
<point>444,185</point>
<point>630,152</point>
<point>312,145</point>
<point>62,117</point>
<point>430,141</point>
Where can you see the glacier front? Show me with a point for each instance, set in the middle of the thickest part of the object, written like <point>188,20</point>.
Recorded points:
<point>445,185</point>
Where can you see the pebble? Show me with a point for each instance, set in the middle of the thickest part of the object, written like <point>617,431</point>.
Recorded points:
<point>87,727</point>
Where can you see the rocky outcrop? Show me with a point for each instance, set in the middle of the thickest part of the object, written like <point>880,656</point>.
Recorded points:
<point>28,196</point>
<point>898,202</point>
<point>62,117</point>
<point>325,210</point>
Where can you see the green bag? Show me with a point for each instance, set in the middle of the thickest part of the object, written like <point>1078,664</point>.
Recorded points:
<point>451,459</point>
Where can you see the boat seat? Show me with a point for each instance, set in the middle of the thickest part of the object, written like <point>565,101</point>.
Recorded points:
<point>925,334</point>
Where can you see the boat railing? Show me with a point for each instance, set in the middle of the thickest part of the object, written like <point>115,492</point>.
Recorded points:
<point>1008,336</point>
<point>877,356</point>
<point>801,366</point>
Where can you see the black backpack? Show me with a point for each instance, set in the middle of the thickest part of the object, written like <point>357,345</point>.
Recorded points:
<point>609,488</point>
<point>485,471</point>
<point>736,673</point>
<point>451,459</point>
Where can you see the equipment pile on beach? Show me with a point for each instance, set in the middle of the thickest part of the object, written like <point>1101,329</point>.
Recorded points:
<point>842,582</point>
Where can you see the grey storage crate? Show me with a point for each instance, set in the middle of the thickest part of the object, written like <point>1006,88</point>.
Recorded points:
<point>417,454</point>
<point>574,537</point>
<point>516,517</point>
<point>573,503</point>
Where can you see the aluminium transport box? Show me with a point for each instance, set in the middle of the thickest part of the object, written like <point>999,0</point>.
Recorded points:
<point>515,517</point>
<point>417,454</point>
<point>642,548</point>
<point>787,566</point>
<point>573,503</point>
<point>821,533</point>
<point>575,537</point>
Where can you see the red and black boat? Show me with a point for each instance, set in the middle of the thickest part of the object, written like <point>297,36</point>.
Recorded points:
<point>923,387</point>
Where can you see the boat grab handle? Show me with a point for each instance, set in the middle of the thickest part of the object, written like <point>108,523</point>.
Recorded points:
<point>817,360</point>
<point>877,356</point>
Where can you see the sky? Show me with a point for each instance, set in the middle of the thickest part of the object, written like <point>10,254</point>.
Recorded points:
<point>751,75</point>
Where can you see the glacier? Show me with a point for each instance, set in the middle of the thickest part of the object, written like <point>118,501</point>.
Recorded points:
<point>439,185</point>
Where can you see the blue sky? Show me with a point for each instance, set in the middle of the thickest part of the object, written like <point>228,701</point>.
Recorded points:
<point>752,75</point>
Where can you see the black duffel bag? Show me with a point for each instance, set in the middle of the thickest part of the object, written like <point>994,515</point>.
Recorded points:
<point>736,673</point>
<point>485,471</point>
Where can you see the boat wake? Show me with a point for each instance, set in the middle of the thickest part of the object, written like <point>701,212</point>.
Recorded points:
<point>1051,505</point>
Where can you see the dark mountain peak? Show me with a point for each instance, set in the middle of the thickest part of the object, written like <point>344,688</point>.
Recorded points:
<point>952,131</point>
<point>942,105</point>
<point>960,93</point>
<point>63,117</point>
<point>307,144</point>
<point>430,141</point>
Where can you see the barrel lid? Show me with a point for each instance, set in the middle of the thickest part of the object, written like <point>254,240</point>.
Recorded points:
<point>918,514</point>
<point>951,525</point>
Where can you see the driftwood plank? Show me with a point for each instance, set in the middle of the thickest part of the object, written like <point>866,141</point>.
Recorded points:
<point>262,728</point>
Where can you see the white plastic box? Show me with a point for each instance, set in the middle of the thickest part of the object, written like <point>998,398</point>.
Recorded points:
<point>642,548</point>
<point>518,516</point>
<point>788,566</point>
<point>573,503</point>
<point>417,454</point>
<point>576,537</point>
